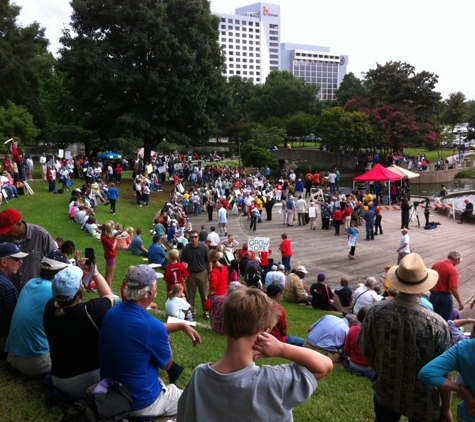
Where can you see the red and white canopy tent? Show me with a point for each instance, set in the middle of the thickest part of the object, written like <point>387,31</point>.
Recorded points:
<point>378,174</point>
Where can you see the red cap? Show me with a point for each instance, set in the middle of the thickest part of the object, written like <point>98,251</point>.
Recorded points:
<point>466,201</point>
<point>8,219</point>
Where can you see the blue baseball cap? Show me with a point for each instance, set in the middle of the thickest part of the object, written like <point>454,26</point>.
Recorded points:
<point>10,250</point>
<point>66,283</point>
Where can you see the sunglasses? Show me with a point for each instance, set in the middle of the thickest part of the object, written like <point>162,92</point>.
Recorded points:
<point>193,237</point>
<point>16,259</point>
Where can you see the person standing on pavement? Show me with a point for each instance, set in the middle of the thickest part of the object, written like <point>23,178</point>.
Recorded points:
<point>290,208</point>
<point>222,220</point>
<point>441,296</point>
<point>195,257</point>
<point>286,251</point>
<point>404,245</point>
<point>301,206</point>
<point>368,217</point>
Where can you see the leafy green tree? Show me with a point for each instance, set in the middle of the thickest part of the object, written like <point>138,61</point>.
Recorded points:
<point>344,130</point>
<point>63,120</point>
<point>398,85</point>
<point>24,60</point>
<point>350,87</point>
<point>300,124</point>
<point>266,137</point>
<point>282,95</point>
<point>254,156</point>
<point>146,69</point>
<point>236,112</point>
<point>17,120</point>
<point>456,109</point>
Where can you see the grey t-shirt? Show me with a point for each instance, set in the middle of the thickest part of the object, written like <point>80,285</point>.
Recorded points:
<point>265,393</point>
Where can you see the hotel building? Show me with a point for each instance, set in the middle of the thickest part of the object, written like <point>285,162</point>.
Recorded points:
<point>250,41</point>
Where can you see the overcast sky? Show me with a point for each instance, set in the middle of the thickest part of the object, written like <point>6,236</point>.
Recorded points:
<point>435,36</point>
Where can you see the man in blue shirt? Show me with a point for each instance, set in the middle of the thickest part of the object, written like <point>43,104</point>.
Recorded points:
<point>328,335</point>
<point>10,261</point>
<point>136,245</point>
<point>133,354</point>
<point>156,253</point>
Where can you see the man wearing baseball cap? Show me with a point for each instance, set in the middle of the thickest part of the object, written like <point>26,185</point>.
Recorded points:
<point>133,354</point>
<point>31,239</point>
<point>10,260</point>
<point>27,345</point>
<point>398,337</point>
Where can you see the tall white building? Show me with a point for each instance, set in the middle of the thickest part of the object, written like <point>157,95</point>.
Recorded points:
<point>250,41</point>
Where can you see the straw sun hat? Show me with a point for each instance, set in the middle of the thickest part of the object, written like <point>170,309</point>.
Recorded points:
<point>412,276</point>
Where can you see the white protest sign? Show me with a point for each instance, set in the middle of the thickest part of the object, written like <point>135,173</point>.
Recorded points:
<point>258,244</point>
<point>162,169</point>
<point>178,166</point>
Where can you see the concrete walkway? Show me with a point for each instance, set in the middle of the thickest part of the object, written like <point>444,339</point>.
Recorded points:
<point>322,251</point>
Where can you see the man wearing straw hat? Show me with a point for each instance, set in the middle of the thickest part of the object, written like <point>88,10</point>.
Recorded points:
<point>398,337</point>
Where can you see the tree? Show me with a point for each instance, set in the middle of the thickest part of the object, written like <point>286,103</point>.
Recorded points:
<point>398,85</point>
<point>254,156</point>
<point>266,137</point>
<point>350,87</point>
<point>456,109</point>
<point>24,60</point>
<point>146,69</point>
<point>239,92</point>
<point>17,120</point>
<point>342,129</point>
<point>282,95</point>
<point>300,124</point>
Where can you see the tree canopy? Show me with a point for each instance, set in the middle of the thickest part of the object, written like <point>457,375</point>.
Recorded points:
<point>24,61</point>
<point>145,69</point>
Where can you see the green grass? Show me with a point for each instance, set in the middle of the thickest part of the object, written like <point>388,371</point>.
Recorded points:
<point>339,397</point>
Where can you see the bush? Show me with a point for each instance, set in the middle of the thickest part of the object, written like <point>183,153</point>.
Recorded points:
<point>253,156</point>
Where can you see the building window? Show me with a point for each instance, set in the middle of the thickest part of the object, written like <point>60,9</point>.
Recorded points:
<point>223,39</point>
<point>274,44</point>
<point>274,50</point>
<point>237,34</point>
<point>238,72</point>
<point>251,66</point>
<point>244,60</point>
<point>251,73</point>
<point>244,23</point>
<point>223,20</point>
<point>244,35</point>
<point>238,66</point>
<point>250,29</point>
<point>258,61</point>
<point>230,21</point>
<point>223,26</point>
<point>231,72</point>
<point>251,60</point>
<point>251,36</point>
<point>251,42</point>
<point>230,65</point>
<point>245,72</point>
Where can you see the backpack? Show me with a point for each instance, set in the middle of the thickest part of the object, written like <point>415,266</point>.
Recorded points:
<point>106,401</point>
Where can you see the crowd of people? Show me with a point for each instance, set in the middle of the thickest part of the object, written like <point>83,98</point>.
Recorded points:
<point>240,290</point>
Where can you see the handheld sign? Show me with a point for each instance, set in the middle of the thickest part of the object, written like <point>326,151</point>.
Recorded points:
<point>258,244</point>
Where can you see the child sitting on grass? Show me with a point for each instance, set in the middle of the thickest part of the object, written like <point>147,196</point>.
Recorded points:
<point>235,385</point>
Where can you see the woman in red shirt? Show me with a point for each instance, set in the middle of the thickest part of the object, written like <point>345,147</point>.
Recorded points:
<point>286,251</point>
<point>118,173</point>
<point>218,277</point>
<point>356,363</point>
<point>109,243</point>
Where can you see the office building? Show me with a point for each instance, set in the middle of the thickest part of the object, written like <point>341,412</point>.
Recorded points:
<point>250,41</point>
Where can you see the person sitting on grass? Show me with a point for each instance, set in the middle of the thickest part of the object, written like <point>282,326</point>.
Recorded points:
<point>279,331</point>
<point>266,392</point>
<point>176,305</point>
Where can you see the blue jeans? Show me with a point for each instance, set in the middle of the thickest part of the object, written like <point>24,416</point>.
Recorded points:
<point>364,373</point>
<point>296,341</point>
<point>443,304</point>
<point>369,231</point>
<point>286,263</point>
